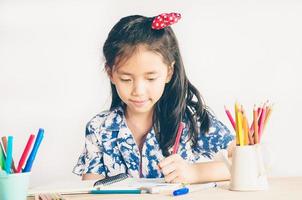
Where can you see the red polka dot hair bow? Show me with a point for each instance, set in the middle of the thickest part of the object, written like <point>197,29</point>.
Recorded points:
<point>166,19</point>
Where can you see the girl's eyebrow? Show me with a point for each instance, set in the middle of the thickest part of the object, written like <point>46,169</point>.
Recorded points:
<point>123,73</point>
<point>127,73</point>
<point>152,72</point>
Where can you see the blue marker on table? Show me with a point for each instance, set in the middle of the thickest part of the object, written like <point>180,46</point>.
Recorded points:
<point>181,191</point>
<point>34,151</point>
<point>9,154</point>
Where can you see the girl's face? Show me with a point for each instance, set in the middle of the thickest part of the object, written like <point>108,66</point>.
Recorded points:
<point>140,80</point>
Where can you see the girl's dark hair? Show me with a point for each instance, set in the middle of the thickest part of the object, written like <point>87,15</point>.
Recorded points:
<point>180,98</point>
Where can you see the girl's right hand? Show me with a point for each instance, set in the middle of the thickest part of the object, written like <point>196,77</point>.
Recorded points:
<point>177,170</point>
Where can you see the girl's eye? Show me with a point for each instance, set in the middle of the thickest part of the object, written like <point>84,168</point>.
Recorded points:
<point>125,80</point>
<point>152,79</point>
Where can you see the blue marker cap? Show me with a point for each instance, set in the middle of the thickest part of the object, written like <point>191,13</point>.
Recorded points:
<point>181,191</point>
<point>34,151</point>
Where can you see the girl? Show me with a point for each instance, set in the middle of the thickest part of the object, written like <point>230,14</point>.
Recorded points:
<point>151,95</point>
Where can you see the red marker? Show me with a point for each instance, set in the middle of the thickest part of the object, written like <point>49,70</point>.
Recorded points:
<point>25,152</point>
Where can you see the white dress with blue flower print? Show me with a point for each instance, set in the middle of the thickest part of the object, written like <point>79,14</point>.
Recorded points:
<point>110,147</point>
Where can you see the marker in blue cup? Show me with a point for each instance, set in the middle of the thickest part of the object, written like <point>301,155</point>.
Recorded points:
<point>34,151</point>
<point>181,191</point>
<point>9,154</point>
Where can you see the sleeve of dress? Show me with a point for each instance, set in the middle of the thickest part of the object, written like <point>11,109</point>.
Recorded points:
<point>217,138</point>
<point>91,159</point>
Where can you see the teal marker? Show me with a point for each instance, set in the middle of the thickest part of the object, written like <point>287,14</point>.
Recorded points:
<point>9,154</point>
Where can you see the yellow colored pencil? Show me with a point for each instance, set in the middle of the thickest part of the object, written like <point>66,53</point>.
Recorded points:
<point>241,137</point>
<point>245,129</point>
<point>236,118</point>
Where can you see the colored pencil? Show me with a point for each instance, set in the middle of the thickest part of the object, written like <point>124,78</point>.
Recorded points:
<point>246,134</point>
<point>261,122</point>
<point>268,114</point>
<point>177,140</point>
<point>250,135</point>
<point>241,136</point>
<point>245,129</point>
<point>236,118</point>
<point>258,114</point>
<point>230,117</point>
<point>255,123</point>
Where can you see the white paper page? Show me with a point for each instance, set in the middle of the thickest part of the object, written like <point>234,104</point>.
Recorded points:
<point>67,187</point>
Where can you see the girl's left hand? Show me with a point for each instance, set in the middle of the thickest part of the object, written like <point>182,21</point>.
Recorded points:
<point>177,170</point>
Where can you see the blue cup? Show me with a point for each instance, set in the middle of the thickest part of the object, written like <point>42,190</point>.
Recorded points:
<point>14,186</point>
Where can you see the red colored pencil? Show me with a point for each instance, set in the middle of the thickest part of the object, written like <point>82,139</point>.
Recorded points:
<point>179,131</point>
<point>261,123</point>
<point>259,111</point>
<point>230,117</point>
<point>255,124</point>
<point>25,152</point>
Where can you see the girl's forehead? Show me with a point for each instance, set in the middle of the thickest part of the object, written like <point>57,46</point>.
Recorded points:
<point>142,61</point>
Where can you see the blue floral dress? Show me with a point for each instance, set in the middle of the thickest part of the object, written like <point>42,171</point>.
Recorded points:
<point>110,147</point>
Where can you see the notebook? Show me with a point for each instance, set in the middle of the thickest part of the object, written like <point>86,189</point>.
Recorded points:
<point>63,187</point>
<point>149,185</point>
<point>120,183</point>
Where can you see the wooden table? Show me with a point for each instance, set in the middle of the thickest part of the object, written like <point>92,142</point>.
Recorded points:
<point>279,188</point>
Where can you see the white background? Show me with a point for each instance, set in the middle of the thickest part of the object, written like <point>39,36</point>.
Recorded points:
<point>51,70</point>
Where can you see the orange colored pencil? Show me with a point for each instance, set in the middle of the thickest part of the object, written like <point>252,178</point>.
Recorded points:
<point>268,114</point>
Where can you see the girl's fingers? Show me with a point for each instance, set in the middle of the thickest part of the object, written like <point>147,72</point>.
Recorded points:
<point>177,180</point>
<point>168,160</point>
<point>168,169</point>
<point>171,177</point>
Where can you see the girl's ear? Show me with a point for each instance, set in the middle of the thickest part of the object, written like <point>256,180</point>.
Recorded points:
<point>170,72</point>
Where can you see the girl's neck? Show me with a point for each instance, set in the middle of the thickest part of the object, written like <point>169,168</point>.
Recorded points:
<point>139,124</point>
<point>139,118</point>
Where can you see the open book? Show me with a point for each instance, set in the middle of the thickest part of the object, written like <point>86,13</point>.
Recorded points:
<point>149,185</point>
<point>113,184</point>
<point>63,187</point>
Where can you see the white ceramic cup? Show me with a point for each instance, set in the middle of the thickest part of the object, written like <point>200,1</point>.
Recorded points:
<point>247,170</point>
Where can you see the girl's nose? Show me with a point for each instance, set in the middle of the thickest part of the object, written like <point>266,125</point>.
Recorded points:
<point>138,88</point>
